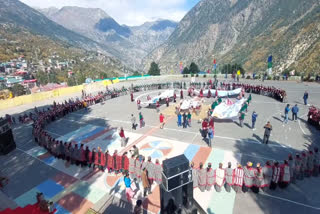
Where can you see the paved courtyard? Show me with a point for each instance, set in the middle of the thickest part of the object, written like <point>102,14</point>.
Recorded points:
<point>74,189</point>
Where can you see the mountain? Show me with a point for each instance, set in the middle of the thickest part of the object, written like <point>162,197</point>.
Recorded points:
<point>245,32</point>
<point>15,12</point>
<point>132,43</point>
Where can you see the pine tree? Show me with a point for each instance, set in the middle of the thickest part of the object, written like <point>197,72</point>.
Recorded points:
<point>194,69</point>
<point>154,69</point>
<point>185,71</point>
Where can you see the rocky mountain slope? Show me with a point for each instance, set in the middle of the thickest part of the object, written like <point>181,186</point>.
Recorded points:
<point>132,43</point>
<point>246,32</point>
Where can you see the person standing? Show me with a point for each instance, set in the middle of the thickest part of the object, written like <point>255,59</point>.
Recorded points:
<point>258,179</point>
<point>139,104</point>
<point>179,119</point>
<point>181,94</point>
<point>210,136</point>
<point>204,130</point>
<point>184,120</point>
<point>253,120</point>
<point>189,118</point>
<point>304,169</point>
<point>292,166</point>
<point>267,176</point>
<point>127,182</point>
<point>310,163</point>
<point>132,164</point>
<point>161,117</point>
<point>267,132</point>
<point>158,172</point>
<point>138,169</point>
<point>295,110</point>
<point>238,178</point>
<point>286,113</point>
<point>275,176</point>
<point>210,177</point>
<point>202,177</point>
<point>194,175</point>
<point>123,137</point>
<point>133,122</point>
<point>131,95</point>
<point>241,118</point>
<point>167,101</point>
<point>174,97</point>
<point>249,175</point>
<point>305,98</point>
<point>138,209</point>
<point>151,170</point>
<point>284,175</point>
<point>220,178</point>
<point>229,177</point>
<point>298,164</point>
<point>142,123</point>
<point>145,182</point>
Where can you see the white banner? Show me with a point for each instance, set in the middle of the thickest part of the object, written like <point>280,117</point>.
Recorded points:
<point>225,111</point>
<point>220,92</point>
<point>188,104</point>
<point>163,95</point>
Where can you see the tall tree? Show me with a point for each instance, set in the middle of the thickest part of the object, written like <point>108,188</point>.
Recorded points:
<point>194,69</point>
<point>18,90</point>
<point>185,71</point>
<point>154,69</point>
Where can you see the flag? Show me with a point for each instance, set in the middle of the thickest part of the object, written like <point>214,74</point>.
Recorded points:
<point>181,67</point>
<point>270,64</point>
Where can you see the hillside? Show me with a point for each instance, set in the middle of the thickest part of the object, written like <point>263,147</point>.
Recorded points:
<point>41,50</point>
<point>246,32</point>
<point>132,43</point>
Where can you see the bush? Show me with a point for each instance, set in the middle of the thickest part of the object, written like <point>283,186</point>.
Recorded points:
<point>186,75</point>
<point>269,78</point>
<point>204,76</point>
<point>248,77</point>
<point>197,75</point>
<point>192,75</point>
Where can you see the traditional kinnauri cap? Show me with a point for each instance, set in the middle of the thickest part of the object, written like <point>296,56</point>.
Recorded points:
<point>249,163</point>
<point>239,165</point>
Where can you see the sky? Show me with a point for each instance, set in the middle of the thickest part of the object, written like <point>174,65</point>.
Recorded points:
<point>128,12</point>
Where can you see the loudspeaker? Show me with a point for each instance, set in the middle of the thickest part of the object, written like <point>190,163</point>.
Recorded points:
<point>176,173</point>
<point>7,143</point>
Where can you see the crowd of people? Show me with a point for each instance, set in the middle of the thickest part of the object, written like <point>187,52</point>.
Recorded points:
<point>136,168</point>
<point>271,175</point>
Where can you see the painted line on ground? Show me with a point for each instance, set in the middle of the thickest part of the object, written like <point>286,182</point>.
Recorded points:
<point>301,127</point>
<point>290,201</point>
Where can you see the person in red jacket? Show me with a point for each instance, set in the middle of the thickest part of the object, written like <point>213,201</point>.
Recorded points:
<point>204,130</point>
<point>99,159</point>
<point>123,137</point>
<point>124,163</point>
<point>161,117</point>
<point>201,93</point>
<point>174,97</point>
<point>138,104</point>
<point>181,94</point>
<point>109,161</point>
<point>131,95</point>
